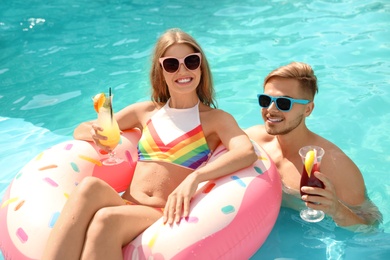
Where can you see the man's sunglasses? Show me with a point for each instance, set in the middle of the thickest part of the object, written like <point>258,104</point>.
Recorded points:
<point>282,103</point>
<point>172,64</point>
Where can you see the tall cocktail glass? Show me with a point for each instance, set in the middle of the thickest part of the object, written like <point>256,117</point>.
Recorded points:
<point>311,157</point>
<point>106,120</point>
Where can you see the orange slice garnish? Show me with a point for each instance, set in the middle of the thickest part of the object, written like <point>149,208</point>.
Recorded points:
<point>98,101</point>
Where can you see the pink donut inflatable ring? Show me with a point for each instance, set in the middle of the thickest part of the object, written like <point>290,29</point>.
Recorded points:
<point>230,217</point>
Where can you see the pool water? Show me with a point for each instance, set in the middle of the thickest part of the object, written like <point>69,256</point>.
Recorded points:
<point>55,56</point>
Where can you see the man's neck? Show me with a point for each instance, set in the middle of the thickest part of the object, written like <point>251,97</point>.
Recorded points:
<point>290,143</point>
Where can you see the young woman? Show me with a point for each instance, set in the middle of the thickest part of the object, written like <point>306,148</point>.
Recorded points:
<point>96,222</point>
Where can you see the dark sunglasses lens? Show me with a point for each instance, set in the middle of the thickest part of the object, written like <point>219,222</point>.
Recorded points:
<point>283,104</point>
<point>171,65</point>
<point>192,62</point>
<point>264,101</point>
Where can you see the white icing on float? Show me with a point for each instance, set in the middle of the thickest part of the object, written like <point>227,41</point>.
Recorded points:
<point>230,217</point>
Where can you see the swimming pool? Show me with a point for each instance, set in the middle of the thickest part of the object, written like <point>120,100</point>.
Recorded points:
<point>54,57</point>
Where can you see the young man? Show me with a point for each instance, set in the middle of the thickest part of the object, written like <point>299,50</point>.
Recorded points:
<point>287,100</point>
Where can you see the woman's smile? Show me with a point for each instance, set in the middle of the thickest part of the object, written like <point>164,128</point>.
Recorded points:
<point>184,80</point>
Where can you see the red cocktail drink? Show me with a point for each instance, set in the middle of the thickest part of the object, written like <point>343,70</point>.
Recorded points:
<point>311,181</point>
<point>311,157</point>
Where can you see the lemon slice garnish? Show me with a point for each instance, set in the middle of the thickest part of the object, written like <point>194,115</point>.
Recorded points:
<point>309,161</point>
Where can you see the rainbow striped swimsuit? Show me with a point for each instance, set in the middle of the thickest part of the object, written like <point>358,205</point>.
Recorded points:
<point>175,136</point>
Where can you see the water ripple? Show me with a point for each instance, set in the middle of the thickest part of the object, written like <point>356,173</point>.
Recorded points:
<point>77,73</point>
<point>2,71</point>
<point>44,100</point>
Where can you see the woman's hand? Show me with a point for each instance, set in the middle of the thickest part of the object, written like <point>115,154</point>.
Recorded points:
<point>96,137</point>
<point>178,203</point>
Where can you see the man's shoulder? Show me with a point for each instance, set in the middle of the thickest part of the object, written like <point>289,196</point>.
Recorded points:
<point>329,146</point>
<point>258,134</point>
<point>344,165</point>
<point>255,130</point>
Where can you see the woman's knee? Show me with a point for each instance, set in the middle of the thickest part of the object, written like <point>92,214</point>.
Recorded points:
<point>90,186</point>
<point>104,222</point>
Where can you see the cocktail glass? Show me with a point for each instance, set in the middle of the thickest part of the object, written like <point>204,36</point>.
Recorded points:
<point>111,130</point>
<point>311,157</point>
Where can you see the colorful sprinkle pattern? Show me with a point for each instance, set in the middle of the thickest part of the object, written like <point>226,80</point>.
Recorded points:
<point>225,195</point>
<point>218,211</point>
<point>40,189</point>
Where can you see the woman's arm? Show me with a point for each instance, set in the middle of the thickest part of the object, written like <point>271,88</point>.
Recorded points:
<point>240,154</point>
<point>127,118</point>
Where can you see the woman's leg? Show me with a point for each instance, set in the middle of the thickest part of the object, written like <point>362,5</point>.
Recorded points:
<point>113,227</point>
<point>66,240</point>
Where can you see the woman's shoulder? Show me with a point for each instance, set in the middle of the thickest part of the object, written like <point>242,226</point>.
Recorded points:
<point>217,117</point>
<point>147,105</point>
<point>214,112</point>
<point>136,114</point>
<point>143,106</point>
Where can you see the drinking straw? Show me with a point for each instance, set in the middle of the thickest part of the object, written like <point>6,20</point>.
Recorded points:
<point>110,96</point>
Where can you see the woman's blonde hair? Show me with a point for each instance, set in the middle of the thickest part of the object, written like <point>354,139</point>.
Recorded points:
<point>160,92</point>
<point>299,71</point>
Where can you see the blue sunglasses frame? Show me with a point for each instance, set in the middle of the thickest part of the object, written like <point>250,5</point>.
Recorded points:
<point>282,99</point>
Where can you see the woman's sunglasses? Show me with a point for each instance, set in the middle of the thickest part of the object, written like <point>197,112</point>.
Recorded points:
<point>171,64</point>
<point>282,103</point>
